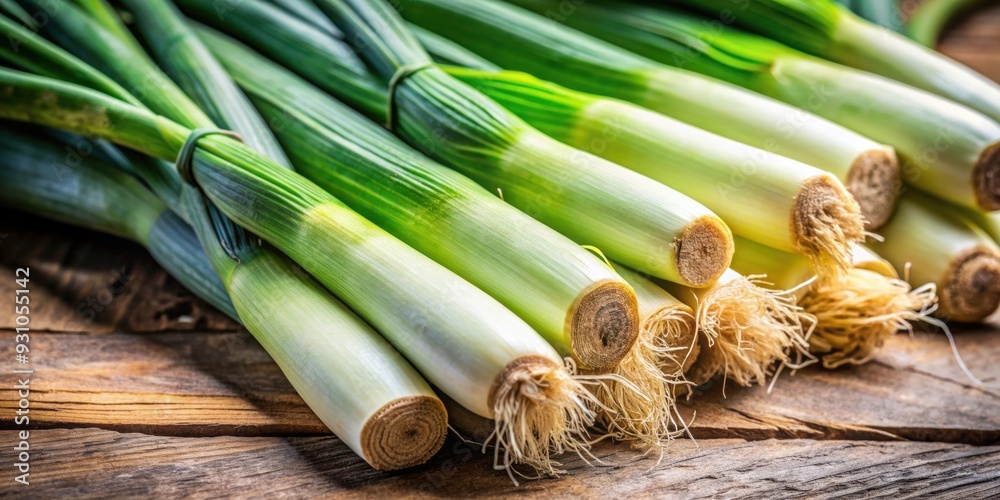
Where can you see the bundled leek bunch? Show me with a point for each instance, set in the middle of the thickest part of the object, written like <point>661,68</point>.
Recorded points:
<point>909,119</point>
<point>313,43</point>
<point>534,215</point>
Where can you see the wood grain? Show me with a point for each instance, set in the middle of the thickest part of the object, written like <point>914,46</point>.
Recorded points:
<point>98,463</point>
<point>82,281</point>
<point>202,384</point>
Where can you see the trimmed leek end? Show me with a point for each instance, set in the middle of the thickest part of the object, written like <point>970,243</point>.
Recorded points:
<point>538,408</point>
<point>745,329</point>
<point>826,222</point>
<point>971,285</point>
<point>986,178</point>
<point>704,251</point>
<point>405,432</point>
<point>874,181</point>
<point>604,324</point>
<point>858,312</point>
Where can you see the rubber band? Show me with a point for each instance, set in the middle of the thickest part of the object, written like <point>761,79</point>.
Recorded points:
<point>400,75</point>
<point>185,158</point>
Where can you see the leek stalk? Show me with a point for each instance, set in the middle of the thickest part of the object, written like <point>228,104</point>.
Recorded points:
<point>629,217</point>
<point>824,29</point>
<point>948,149</point>
<point>667,344</point>
<point>574,300</point>
<point>931,242</point>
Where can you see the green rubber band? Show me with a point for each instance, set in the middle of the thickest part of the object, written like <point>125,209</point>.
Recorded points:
<point>185,158</point>
<point>401,74</point>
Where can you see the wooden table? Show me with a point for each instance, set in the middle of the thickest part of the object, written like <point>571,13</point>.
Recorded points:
<point>141,389</point>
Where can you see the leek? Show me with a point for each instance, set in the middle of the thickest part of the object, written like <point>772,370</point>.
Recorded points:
<point>744,329</point>
<point>517,39</point>
<point>762,196</point>
<point>629,217</point>
<point>822,28</point>
<point>350,376</point>
<point>462,340</point>
<point>929,20</point>
<point>948,149</point>
<point>567,294</point>
<point>854,314</point>
<point>931,242</point>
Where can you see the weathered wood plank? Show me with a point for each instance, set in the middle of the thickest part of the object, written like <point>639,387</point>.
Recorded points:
<point>975,41</point>
<point>82,281</point>
<point>224,383</point>
<point>88,462</point>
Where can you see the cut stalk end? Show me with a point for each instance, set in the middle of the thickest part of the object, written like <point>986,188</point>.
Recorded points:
<point>640,392</point>
<point>986,177</point>
<point>745,330</point>
<point>857,313</point>
<point>604,324</point>
<point>874,180</point>
<point>971,286</point>
<point>704,251</point>
<point>404,433</point>
<point>539,409</point>
<point>826,221</point>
